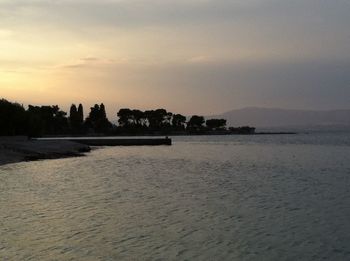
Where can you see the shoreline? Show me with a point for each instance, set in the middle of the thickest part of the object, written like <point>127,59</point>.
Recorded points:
<point>20,149</point>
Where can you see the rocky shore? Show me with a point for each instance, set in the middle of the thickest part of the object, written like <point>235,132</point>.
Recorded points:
<point>17,149</point>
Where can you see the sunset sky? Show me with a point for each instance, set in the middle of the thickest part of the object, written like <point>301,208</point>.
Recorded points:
<point>188,56</point>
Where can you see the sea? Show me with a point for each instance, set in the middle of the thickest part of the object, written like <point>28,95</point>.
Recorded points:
<point>263,197</point>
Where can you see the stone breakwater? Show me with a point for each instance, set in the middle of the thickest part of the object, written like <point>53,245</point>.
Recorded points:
<point>17,149</point>
<point>123,141</point>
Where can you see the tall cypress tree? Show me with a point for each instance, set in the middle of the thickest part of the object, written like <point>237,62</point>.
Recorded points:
<point>74,118</point>
<point>81,114</point>
<point>103,114</point>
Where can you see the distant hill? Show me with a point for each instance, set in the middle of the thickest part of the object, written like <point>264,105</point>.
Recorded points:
<point>274,117</point>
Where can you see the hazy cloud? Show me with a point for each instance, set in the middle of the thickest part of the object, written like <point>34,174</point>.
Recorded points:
<point>221,53</point>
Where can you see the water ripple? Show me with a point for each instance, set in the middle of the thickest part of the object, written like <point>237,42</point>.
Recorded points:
<point>192,201</point>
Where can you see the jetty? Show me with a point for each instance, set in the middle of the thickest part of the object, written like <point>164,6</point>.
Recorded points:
<point>113,141</point>
<point>21,148</point>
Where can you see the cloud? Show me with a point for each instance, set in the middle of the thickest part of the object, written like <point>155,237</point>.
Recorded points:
<point>201,59</point>
<point>279,28</point>
<point>90,59</point>
<point>123,13</point>
<point>85,62</point>
<point>231,52</point>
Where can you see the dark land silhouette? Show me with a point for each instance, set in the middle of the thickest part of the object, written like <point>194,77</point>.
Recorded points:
<point>38,121</point>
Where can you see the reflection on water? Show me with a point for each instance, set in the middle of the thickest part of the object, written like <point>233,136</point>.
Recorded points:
<point>204,198</point>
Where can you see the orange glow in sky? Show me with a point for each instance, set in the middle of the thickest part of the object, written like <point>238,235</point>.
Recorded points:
<point>187,56</point>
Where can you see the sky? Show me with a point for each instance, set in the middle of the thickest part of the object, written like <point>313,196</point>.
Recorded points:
<point>188,56</point>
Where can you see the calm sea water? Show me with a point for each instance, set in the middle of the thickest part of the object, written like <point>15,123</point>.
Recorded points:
<point>204,198</point>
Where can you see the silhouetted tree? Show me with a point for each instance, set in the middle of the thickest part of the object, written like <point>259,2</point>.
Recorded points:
<point>139,121</point>
<point>97,119</point>
<point>80,114</point>
<point>215,124</point>
<point>167,119</point>
<point>103,114</point>
<point>195,123</point>
<point>178,122</point>
<point>242,130</point>
<point>139,118</point>
<point>73,111</point>
<point>157,119</point>
<point>74,119</point>
<point>125,117</point>
<point>13,118</point>
<point>60,121</point>
<point>50,120</point>
<point>47,120</point>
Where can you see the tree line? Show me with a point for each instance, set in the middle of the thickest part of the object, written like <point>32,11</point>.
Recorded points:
<point>51,120</point>
<point>162,120</point>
